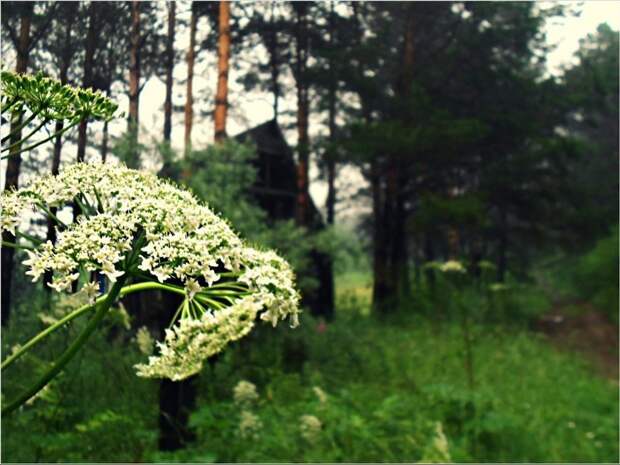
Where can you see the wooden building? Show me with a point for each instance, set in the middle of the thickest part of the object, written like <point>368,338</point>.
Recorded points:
<point>275,192</point>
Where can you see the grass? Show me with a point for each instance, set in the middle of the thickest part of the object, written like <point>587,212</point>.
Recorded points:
<point>388,386</point>
<point>354,291</point>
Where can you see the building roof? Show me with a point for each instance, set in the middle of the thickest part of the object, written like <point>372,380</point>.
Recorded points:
<point>270,142</point>
<point>268,138</point>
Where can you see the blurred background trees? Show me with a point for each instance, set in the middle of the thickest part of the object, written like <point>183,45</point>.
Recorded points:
<point>439,122</point>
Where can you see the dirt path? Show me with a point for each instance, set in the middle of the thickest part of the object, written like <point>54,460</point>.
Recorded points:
<point>578,326</point>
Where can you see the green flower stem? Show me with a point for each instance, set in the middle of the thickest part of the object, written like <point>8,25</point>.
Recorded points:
<point>71,351</point>
<point>230,293</point>
<point>80,311</point>
<point>229,285</point>
<point>41,142</point>
<point>47,331</point>
<point>152,285</point>
<point>34,240</point>
<point>51,215</point>
<point>176,314</point>
<point>84,208</point>
<point>25,138</point>
<point>6,106</point>
<point>19,128</point>
<point>99,202</point>
<point>16,246</point>
<point>210,302</point>
<point>138,287</point>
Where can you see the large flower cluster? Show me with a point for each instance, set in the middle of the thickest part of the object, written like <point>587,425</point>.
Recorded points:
<point>135,224</point>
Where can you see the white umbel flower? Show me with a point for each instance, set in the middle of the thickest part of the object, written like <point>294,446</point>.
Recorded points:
<point>249,425</point>
<point>135,224</point>
<point>310,428</point>
<point>144,340</point>
<point>245,393</point>
<point>452,266</point>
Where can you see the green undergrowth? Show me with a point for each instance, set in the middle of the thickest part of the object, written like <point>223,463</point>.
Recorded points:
<point>590,278</point>
<point>392,390</point>
<point>388,386</point>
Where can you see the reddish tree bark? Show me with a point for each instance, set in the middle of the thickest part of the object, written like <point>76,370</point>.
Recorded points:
<point>189,99</point>
<point>134,81</point>
<point>223,49</point>
<point>391,269</point>
<point>331,159</point>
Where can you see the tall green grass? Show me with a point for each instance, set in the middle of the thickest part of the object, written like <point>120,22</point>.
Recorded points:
<point>390,387</point>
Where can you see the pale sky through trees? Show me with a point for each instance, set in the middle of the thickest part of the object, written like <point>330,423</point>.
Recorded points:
<point>255,108</point>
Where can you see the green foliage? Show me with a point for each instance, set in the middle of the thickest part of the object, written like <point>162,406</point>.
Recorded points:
<point>591,104</point>
<point>436,211</point>
<point>222,175</point>
<point>513,303</point>
<point>96,406</point>
<point>385,388</point>
<point>128,149</point>
<point>595,276</point>
<point>527,399</point>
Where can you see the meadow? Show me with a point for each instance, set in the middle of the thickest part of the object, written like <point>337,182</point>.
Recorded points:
<point>353,389</point>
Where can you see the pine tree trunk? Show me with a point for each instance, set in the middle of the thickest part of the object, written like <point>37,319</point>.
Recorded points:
<point>302,165</point>
<point>400,249</point>
<point>169,70</point>
<point>381,285</point>
<point>64,71</point>
<point>392,239</point>
<point>189,99</point>
<point>303,206</point>
<point>502,259</point>
<point>400,252</point>
<point>91,44</point>
<point>331,162</point>
<point>134,83</point>
<point>104,143</point>
<point>391,269</point>
<point>275,73</point>
<point>14,161</point>
<point>331,191</point>
<point>274,64</point>
<point>221,97</point>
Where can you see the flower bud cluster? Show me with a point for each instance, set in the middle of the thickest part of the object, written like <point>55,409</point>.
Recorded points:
<point>52,100</point>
